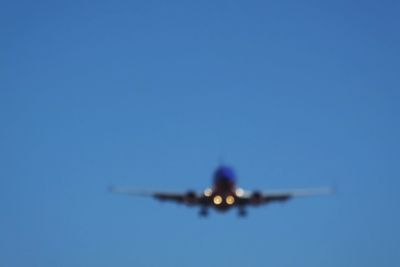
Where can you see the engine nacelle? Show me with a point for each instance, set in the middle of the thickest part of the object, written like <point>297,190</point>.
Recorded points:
<point>256,197</point>
<point>190,197</point>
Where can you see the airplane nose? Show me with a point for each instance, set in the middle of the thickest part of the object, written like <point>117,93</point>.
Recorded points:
<point>219,200</point>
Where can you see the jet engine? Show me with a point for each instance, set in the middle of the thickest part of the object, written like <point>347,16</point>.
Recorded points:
<point>190,197</point>
<point>256,197</point>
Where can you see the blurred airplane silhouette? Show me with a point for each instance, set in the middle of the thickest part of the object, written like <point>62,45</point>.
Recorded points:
<point>224,194</point>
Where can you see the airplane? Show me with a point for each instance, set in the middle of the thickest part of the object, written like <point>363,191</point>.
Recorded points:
<point>225,194</point>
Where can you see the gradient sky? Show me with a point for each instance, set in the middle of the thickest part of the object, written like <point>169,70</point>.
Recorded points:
<point>151,94</point>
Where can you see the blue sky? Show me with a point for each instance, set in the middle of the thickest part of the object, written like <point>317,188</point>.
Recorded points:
<point>151,94</point>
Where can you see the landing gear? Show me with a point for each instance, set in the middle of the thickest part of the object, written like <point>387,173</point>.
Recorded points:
<point>242,212</point>
<point>203,212</point>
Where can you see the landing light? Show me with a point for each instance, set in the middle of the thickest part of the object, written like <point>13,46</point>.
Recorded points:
<point>239,192</point>
<point>208,192</point>
<point>230,200</point>
<point>217,200</point>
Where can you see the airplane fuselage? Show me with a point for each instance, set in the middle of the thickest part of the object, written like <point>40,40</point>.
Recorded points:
<point>224,192</point>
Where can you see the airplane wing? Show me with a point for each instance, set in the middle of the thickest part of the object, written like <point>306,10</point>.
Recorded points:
<point>189,197</point>
<point>258,198</point>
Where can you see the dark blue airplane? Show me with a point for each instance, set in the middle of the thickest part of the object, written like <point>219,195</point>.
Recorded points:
<point>224,194</point>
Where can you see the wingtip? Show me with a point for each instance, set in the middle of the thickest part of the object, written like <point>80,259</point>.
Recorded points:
<point>111,189</point>
<point>327,190</point>
<point>333,190</point>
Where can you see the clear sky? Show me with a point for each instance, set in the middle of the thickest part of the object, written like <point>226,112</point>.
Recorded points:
<point>151,94</point>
